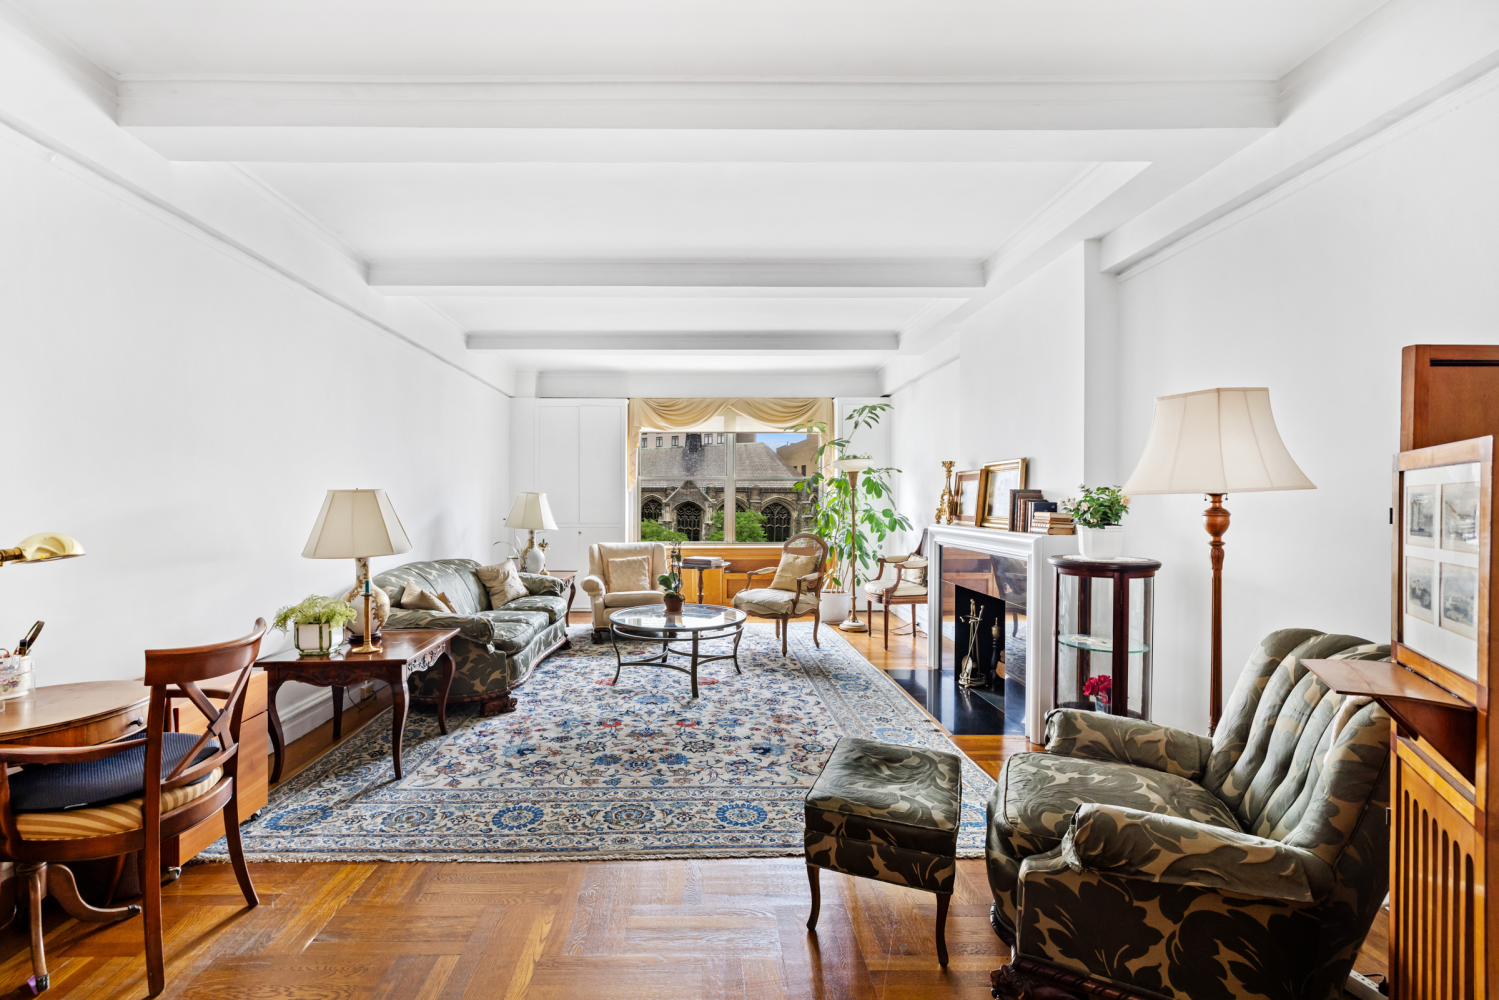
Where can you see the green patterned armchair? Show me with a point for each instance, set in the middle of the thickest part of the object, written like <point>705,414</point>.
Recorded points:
<point>1135,860</point>
<point>496,648</point>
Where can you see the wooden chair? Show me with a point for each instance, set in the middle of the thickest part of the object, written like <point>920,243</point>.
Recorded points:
<point>906,585</point>
<point>112,799</point>
<point>781,606</point>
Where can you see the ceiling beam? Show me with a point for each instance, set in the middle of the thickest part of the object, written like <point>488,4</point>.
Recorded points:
<point>754,341</point>
<point>917,278</point>
<point>699,104</point>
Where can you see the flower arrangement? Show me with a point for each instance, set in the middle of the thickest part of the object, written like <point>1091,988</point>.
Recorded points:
<point>1098,507</point>
<point>1098,687</point>
<point>316,610</point>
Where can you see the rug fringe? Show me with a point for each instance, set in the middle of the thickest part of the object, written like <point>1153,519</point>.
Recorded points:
<point>340,857</point>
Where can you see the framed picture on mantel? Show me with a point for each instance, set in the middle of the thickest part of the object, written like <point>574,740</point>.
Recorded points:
<point>1000,480</point>
<point>968,487</point>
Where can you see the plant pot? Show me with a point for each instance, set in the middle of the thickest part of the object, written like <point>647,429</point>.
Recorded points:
<point>674,604</point>
<point>317,640</point>
<point>1101,543</point>
<point>834,607</point>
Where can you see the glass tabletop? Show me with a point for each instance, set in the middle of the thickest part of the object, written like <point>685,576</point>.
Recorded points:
<point>694,618</point>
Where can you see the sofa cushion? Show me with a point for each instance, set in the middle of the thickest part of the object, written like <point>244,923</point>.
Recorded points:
<point>454,577</point>
<point>765,601</point>
<point>415,598</point>
<point>540,584</point>
<point>632,573</point>
<point>511,630</point>
<point>503,582</point>
<point>554,607</point>
<point>1039,792</point>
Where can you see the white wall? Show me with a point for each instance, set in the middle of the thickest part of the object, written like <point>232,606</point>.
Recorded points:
<point>1314,294</point>
<point>181,409</point>
<point>1312,291</point>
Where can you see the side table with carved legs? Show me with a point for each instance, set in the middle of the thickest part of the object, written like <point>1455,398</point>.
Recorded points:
<point>403,652</point>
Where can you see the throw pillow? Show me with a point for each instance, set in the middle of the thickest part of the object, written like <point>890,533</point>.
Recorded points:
<point>790,568</point>
<point>504,583</point>
<point>633,574</point>
<point>916,567</point>
<point>414,598</point>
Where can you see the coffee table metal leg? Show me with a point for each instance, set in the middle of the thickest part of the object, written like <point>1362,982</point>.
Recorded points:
<point>737,636</point>
<point>278,739</point>
<point>399,704</point>
<point>619,660</point>
<point>694,664</point>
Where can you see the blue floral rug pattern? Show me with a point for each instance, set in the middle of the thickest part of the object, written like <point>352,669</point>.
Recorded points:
<point>586,770</point>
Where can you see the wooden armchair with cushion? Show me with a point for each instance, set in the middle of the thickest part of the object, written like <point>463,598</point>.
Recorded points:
<point>796,589</point>
<point>106,801</point>
<point>622,575</point>
<point>900,580</point>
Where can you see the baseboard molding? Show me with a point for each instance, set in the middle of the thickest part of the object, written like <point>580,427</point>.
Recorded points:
<point>303,707</point>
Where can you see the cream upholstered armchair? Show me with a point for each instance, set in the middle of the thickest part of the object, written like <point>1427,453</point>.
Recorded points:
<point>622,588</point>
<point>796,589</point>
<point>900,580</point>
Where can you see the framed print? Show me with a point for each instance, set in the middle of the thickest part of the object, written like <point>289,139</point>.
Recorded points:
<point>1460,517</point>
<point>1420,588</point>
<point>967,490</point>
<point>1000,480</point>
<point>1460,599</point>
<point>1440,594</point>
<point>1421,515</point>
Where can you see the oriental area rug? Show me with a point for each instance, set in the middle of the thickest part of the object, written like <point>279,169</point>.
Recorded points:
<point>588,770</point>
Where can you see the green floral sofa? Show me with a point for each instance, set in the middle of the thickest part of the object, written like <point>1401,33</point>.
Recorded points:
<point>1154,862</point>
<point>496,648</point>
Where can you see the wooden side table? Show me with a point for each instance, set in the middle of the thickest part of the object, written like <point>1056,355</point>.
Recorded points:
<point>403,652</point>
<point>569,577</point>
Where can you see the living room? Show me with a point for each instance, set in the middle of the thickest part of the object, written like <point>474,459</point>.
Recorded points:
<point>475,324</point>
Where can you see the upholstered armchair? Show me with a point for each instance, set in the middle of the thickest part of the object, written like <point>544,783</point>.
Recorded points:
<point>795,589</point>
<point>899,580</point>
<point>1136,860</point>
<point>606,595</point>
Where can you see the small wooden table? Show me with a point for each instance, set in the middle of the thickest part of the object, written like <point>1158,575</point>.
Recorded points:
<point>403,652</point>
<point>569,577</point>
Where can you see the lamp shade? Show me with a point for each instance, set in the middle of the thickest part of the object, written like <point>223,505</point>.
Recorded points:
<point>48,545</point>
<point>356,524</point>
<point>1215,441</point>
<point>531,510</point>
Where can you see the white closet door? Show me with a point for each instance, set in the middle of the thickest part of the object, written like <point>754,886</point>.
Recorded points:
<point>579,462</point>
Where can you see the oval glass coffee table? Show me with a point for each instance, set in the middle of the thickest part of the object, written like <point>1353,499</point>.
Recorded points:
<point>696,624</point>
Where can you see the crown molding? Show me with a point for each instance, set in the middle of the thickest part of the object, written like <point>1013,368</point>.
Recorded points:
<point>712,103</point>
<point>755,341</point>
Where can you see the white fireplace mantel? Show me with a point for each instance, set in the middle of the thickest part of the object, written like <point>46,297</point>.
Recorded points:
<point>1039,619</point>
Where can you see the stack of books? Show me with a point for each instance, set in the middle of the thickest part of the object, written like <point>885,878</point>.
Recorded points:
<point>701,562</point>
<point>1051,522</point>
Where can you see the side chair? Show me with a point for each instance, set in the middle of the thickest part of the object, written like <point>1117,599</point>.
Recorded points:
<point>907,584</point>
<point>799,601</point>
<point>106,801</point>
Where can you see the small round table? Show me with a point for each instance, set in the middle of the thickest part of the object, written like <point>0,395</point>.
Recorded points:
<point>700,621</point>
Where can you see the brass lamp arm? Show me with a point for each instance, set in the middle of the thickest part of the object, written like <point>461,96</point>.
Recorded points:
<point>11,555</point>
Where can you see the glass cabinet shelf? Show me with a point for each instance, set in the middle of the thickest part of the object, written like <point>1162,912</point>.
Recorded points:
<point>1099,643</point>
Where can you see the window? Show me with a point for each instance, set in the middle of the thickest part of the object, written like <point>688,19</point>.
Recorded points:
<point>686,488</point>
<point>643,440</point>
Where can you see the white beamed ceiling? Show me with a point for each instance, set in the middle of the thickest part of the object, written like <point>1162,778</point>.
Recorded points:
<point>684,186</point>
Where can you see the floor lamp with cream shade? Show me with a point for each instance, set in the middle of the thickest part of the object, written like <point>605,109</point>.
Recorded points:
<point>1217,442</point>
<point>358,524</point>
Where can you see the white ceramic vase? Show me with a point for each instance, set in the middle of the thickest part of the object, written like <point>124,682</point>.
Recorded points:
<point>1101,543</point>
<point>534,561</point>
<point>317,640</point>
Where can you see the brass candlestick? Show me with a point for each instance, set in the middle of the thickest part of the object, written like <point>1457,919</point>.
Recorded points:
<point>946,501</point>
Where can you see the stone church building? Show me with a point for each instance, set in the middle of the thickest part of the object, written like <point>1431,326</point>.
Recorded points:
<point>682,483</point>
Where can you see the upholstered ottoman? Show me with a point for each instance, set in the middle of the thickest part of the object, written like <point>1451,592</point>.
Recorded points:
<point>887,812</point>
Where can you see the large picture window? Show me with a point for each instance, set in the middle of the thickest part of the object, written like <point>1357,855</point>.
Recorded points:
<point>686,481</point>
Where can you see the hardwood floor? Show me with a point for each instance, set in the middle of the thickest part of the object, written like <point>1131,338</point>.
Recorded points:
<point>629,929</point>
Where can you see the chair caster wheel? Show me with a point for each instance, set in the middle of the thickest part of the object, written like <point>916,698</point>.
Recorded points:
<point>38,983</point>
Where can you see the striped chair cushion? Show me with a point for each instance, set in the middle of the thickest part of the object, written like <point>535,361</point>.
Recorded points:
<point>101,821</point>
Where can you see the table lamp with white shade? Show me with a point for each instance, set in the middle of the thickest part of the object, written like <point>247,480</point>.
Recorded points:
<point>1216,442</point>
<point>532,513</point>
<point>358,524</point>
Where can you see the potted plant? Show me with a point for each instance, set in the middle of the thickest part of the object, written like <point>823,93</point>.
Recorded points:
<point>1097,515</point>
<point>319,624</point>
<point>855,543</point>
<point>672,583</point>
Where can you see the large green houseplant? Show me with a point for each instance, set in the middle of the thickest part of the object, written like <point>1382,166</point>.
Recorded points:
<point>856,542</point>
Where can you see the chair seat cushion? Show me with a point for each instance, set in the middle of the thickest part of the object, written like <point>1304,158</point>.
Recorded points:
<point>633,598</point>
<point>1039,792</point>
<point>55,787</point>
<point>773,602</point>
<point>118,817</point>
<point>876,588</point>
<point>887,812</point>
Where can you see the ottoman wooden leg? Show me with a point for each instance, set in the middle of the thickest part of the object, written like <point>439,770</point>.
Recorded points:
<point>812,871</point>
<point>942,902</point>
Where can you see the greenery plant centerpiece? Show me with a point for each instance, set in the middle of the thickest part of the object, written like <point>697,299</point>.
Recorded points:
<point>319,623</point>
<point>853,521</point>
<point>1098,514</point>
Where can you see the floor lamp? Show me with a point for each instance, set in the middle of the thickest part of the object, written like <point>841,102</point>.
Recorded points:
<point>1217,442</point>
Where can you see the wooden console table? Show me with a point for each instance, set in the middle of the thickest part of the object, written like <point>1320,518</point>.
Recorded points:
<point>403,652</point>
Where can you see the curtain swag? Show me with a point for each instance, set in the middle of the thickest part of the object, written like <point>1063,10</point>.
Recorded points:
<point>679,414</point>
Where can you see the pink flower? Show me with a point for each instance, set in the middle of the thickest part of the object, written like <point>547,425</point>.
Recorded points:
<point>1099,685</point>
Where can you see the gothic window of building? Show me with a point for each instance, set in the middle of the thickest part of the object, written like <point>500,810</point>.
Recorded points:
<point>650,509</point>
<point>690,521</point>
<point>777,521</point>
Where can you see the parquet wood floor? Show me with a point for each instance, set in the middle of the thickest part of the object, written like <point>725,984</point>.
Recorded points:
<point>633,929</point>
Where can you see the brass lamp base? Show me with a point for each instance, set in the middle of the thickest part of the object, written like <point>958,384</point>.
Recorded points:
<point>363,572</point>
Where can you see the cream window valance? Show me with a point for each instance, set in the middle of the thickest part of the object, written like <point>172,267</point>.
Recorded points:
<point>683,414</point>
